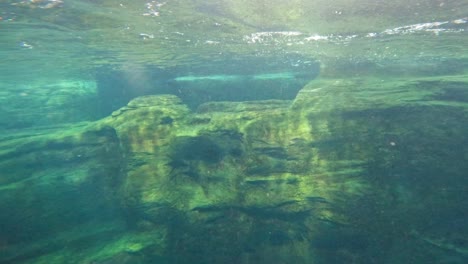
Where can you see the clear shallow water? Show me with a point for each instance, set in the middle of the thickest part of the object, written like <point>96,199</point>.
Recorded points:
<point>281,131</point>
<point>81,35</point>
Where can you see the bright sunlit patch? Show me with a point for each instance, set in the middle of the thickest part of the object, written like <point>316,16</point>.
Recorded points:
<point>273,76</point>
<point>224,78</point>
<point>191,78</point>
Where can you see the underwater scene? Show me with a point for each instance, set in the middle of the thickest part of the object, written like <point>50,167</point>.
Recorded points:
<point>233,131</point>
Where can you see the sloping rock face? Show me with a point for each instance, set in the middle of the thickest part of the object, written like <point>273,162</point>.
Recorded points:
<point>55,181</point>
<point>25,106</point>
<point>349,172</point>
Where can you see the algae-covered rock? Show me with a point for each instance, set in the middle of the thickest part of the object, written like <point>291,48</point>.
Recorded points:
<point>58,179</point>
<point>339,175</point>
<point>240,164</point>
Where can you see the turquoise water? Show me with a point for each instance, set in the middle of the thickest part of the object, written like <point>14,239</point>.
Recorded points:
<point>233,131</point>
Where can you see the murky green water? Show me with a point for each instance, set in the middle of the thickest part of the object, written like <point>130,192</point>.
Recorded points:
<point>233,131</point>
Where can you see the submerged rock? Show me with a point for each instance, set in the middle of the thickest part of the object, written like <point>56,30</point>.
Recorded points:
<point>342,172</point>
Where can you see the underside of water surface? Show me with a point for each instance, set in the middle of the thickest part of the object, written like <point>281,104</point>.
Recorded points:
<point>221,131</point>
